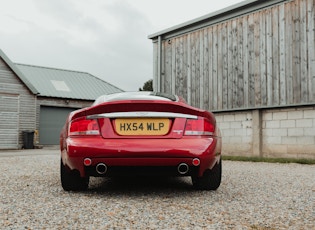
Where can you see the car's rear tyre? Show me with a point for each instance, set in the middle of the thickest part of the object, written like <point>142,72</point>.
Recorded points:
<point>210,180</point>
<point>71,180</point>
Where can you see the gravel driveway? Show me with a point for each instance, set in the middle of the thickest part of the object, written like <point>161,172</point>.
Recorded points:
<point>251,196</point>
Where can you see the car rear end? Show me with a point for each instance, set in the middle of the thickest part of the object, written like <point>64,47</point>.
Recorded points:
<point>162,137</point>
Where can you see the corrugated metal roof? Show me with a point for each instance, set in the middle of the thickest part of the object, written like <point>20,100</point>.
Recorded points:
<point>60,83</point>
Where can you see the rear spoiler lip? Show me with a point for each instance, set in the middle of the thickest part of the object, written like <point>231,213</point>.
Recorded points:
<point>136,106</point>
<point>147,114</point>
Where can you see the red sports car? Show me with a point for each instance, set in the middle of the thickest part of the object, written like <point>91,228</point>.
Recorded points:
<point>145,133</point>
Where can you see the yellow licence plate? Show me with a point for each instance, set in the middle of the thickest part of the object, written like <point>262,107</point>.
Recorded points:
<point>142,126</point>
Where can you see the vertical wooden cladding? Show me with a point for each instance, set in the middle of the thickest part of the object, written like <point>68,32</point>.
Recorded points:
<point>175,66</point>
<point>262,59</point>
<point>310,25</point>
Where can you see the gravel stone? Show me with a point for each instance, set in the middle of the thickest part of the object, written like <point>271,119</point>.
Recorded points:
<point>251,196</point>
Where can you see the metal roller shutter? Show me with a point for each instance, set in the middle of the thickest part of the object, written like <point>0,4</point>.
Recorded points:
<point>51,122</point>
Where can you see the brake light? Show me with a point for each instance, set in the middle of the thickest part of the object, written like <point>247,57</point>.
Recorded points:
<point>199,127</point>
<point>83,126</point>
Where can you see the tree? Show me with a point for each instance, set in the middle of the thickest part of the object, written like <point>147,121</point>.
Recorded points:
<point>147,86</point>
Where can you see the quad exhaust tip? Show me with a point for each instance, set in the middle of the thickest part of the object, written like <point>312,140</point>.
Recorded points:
<point>101,168</point>
<point>182,168</point>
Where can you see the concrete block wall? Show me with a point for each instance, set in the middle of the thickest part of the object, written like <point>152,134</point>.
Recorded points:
<point>287,132</point>
<point>237,132</point>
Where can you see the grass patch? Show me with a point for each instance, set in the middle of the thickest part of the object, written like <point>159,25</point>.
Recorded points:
<point>269,160</point>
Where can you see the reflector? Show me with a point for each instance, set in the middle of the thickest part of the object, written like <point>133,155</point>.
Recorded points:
<point>87,162</point>
<point>196,162</point>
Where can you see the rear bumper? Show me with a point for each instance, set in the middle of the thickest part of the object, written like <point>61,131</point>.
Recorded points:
<point>140,153</point>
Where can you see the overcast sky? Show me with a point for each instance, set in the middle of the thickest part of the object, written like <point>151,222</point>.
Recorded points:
<point>106,38</point>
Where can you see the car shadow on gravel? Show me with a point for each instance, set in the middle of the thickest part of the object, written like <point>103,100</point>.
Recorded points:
<point>140,185</point>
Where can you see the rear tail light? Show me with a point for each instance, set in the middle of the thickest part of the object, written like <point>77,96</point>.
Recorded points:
<point>199,127</point>
<point>83,126</point>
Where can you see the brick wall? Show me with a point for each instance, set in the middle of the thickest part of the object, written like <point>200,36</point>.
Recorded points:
<point>286,132</point>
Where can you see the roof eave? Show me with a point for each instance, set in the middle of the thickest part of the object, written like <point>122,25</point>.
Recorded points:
<point>18,73</point>
<point>235,10</point>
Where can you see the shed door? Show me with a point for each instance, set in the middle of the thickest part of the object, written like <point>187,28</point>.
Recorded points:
<point>9,121</point>
<point>51,122</point>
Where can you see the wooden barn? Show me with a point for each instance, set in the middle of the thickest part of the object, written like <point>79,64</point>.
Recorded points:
<point>253,65</point>
<point>35,101</point>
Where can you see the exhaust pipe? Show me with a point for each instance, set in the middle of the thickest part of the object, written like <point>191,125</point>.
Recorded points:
<point>182,168</point>
<point>101,168</point>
